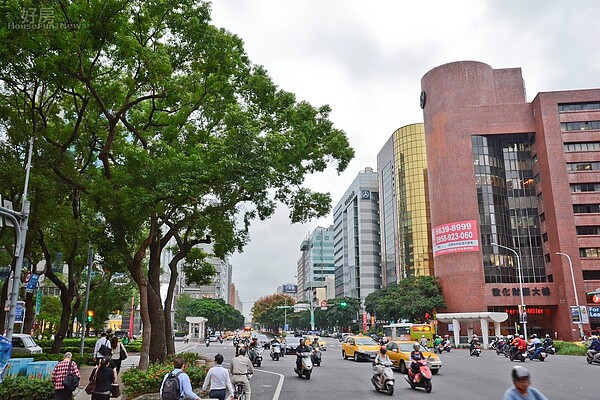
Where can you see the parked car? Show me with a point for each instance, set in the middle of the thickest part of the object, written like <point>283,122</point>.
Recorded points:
<point>24,344</point>
<point>399,353</point>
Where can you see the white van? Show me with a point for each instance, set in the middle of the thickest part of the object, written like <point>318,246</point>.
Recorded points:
<point>24,344</point>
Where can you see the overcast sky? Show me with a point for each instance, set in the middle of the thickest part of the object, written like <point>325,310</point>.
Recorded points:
<point>366,60</point>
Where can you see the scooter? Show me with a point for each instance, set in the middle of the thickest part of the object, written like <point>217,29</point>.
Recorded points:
<point>307,365</point>
<point>500,347</point>
<point>385,381</point>
<point>476,350</point>
<point>593,357</point>
<point>516,354</point>
<point>256,355</point>
<point>447,347</point>
<point>422,378</point>
<point>207,342</point>
<point>316,356</point>
<point>537,354</point>
<point>275,351</point>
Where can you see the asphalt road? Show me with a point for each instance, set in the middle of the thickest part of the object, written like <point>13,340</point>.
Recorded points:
<point>461,377</point>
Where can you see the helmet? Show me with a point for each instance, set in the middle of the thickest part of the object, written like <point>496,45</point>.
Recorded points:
<point>519,372</point>
<point>383,349</point>
<point>534,336</point>
<point>547,335</point>
<point>522,337</point>
<point>510,337</point>
<point>594,337</point>
<point>474,335</point>
<point>416,346</point>
<point>422,336</point>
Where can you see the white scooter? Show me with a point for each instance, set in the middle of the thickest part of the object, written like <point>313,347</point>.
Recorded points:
<point>275,351</point>
<point>307,365</point>
<point>383,378</point>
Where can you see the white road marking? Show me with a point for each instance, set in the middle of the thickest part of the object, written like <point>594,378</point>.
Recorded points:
<point>279,385</point>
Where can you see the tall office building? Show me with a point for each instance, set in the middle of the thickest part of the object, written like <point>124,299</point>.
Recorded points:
<point>511,184</point>
<point>316,261</point>
<point>404,206</point>
<point>356,241</point>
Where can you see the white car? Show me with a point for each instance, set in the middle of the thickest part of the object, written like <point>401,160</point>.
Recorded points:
<point>24,344</point>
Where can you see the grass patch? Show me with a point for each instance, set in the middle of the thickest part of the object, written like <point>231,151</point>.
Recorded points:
<point>570,348</point>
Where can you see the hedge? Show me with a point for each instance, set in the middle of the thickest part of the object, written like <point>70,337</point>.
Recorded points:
<point>570,348</point>
<point>21,388</point>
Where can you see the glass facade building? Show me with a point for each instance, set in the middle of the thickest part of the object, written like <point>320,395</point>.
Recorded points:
<point>316,261</point>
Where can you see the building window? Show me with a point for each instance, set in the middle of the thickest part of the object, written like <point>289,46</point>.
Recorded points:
<point>585,187</point>
<point>542,217</point>
<point>589,252</point>
<point>545,237</point>
<point>586,208</point>
<point>591,275</point>
<point>579,126</point>
<point>581,146</point>
<point>588,230</point>
<point>583,166</point>
<point>566,107</point>
<point>547,257</point>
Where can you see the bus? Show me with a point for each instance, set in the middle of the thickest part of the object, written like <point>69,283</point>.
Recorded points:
<point>409,331</point>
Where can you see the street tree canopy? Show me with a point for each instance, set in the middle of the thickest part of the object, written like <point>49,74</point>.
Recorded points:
<point>410,299</point>
<point>221,316</point>
<point>266,312</point>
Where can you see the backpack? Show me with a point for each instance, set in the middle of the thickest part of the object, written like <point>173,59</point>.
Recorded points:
<point>171,389</point>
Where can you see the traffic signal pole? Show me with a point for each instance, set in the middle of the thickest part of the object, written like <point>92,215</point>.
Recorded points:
<point>87,297</point>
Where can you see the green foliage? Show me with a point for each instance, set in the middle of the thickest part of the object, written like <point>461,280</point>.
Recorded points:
<point>221,316</point>
<point>266,312</point>
<point>337,314</point>
<point>138,382</point>
<point>197,270</point>
<point>21,388</point>
<point>570,348</point>
<point>410,299</point>
<point>86,359</point>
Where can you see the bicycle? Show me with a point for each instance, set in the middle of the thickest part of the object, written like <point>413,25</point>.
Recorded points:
<point>239,391</point>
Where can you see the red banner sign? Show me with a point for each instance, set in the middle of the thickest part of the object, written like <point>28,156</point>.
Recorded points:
<point>455,237</point>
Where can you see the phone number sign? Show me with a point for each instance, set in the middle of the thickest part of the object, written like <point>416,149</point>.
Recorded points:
<point>455,237</point>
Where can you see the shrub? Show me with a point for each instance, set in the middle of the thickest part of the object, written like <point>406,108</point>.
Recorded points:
<point>86,359</point>
<point>570,348</point>
<point>21,388</point>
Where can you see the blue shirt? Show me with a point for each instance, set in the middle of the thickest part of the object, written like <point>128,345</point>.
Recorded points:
<point>184,384</point>
<point>532,394</point>
<point>595,345</point>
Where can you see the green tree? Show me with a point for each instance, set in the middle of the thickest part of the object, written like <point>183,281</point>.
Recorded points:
<point>221,316</point>
<point>160,121</point>
<point>266,312</point>
<point>410,299</point>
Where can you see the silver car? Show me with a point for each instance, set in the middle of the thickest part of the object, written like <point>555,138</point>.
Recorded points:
<point>24,344</point>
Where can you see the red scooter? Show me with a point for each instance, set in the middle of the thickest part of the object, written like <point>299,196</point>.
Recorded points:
<point>422,378</point>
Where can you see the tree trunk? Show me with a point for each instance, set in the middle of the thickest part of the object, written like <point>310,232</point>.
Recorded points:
<point>63,325</point>
<point>74,312</point>
<point>169,301</point>
<point>29,313</point>
<point>158,340</point>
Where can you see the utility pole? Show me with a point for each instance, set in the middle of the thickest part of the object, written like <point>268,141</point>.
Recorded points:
<point>20,221</point>
<point>87,297</point>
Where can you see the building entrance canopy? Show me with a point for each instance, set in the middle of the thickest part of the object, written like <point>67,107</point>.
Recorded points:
<point>469,319</point>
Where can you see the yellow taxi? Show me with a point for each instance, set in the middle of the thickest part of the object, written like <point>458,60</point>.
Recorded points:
<point>322,344</point>
<point>399,353</point>
<point>359,348</point>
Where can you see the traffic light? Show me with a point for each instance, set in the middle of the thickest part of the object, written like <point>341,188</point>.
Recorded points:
<point>343,304</point>
<point>90,315</point>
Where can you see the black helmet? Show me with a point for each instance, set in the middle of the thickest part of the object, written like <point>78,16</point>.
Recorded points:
<point>519,372</point>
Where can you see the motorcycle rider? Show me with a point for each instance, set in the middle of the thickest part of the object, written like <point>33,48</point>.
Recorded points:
<point>423,341</point>
<point>415,356</point>
<point>437,343</point>
<point>595,345</point>
<point>519,344</point>
<point>252,348</point>
<point>474,342</point>
<point>302,348</point>
<point>380,359</point>
<point>548,342</point>
<point>240,368</point>
<point>521,389</point>
<point>535,343</point>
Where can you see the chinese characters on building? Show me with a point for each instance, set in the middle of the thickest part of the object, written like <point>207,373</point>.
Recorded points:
<point>535,291</point>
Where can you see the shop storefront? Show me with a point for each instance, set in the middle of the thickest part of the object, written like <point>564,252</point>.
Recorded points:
<point>539,320</point>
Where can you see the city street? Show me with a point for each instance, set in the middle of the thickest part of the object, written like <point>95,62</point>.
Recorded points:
<point>461,377</point>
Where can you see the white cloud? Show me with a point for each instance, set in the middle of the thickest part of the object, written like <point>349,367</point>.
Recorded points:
<point>366,60</point>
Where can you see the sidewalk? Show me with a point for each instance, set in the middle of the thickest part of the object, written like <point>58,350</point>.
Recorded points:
<point>86,371</point>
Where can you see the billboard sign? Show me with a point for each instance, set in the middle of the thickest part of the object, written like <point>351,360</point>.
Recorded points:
<point>290,289</point>
<point>455,237</point>
<point>575,315</point>
<point>594,312</point>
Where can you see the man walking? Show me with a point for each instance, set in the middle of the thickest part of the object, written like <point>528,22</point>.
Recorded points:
<point>103,348</point>
<point>241,367</point>
<point>176,384</point>
<point>59,375</point>
<point>218,381</point>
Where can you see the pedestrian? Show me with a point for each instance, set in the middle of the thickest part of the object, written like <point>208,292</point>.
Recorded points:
<point>118,353</point>
<point>240,368</point>
<point>218,381</point>
<point>103,348</point>
<point>521,389</point>
<point>186,339</point>
<point>183,386</point>
<point>59,374</point>
<point>105,376</point>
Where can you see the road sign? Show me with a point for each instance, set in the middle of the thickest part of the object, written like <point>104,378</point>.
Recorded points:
<point>20,312</point>
<point>32,282</point>
<point>323,303</point>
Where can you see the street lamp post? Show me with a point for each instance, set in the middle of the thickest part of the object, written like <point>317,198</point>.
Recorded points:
<point>575,289</point>
<point>520,274</point>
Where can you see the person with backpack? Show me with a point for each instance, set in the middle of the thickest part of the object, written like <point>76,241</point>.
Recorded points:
<point>218,380</point>
<point>65,378</point>
<point>176,384</point>
<point>103,347</point>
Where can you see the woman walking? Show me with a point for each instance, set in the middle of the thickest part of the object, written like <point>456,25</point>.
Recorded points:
<point>118,353</point>
<point>105,376</point>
